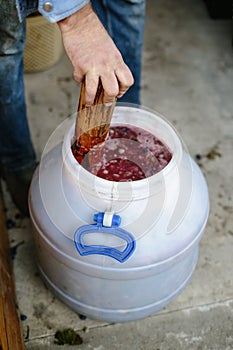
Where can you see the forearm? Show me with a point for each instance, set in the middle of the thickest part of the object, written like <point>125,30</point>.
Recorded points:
<point>94,55</point>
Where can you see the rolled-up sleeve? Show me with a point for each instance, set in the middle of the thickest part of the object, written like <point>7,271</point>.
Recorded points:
<point>56,10</point>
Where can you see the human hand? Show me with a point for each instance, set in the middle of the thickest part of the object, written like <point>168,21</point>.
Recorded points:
<point>94,55</point>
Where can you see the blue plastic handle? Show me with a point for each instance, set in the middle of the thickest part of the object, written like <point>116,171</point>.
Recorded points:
<point>114,253</point>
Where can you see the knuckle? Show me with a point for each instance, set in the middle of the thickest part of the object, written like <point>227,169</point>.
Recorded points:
<point>113,92</point>
<point>78,77</point>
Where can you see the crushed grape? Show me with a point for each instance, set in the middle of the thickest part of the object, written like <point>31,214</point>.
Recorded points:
<point>128,154</point>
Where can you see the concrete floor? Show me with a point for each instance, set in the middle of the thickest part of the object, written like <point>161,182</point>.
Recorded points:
<point>187,77</point>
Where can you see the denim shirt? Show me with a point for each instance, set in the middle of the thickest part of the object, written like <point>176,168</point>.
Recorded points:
<point>53,10</point>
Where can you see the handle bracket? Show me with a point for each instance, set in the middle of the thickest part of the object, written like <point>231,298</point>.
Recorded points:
<point>114,229</point>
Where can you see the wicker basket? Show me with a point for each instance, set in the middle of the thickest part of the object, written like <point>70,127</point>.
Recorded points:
<point>43,44</point>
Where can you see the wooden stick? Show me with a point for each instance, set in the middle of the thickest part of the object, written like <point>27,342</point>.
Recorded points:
<point>11,337</point>
<point>92,122</point>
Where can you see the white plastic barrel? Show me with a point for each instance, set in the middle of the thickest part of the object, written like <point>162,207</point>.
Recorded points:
<point>117,251</point>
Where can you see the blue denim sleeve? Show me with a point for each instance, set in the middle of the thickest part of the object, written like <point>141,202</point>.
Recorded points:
<point>52,10</point>
<point>56,10</point>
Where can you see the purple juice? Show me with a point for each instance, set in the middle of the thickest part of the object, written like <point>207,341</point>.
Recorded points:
<point>128,154</point>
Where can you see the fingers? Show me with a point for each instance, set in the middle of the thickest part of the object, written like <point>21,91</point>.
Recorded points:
<point>110,86</point>
<point>115,84</point>
<point>91,84</point>
<point>125,80</point>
